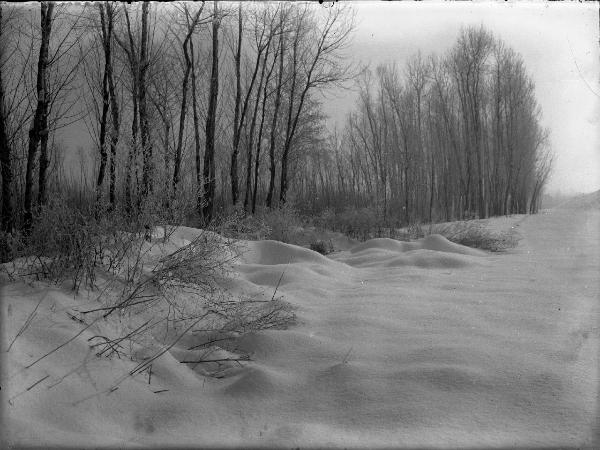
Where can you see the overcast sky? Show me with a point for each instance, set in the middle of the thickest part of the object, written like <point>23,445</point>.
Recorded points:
<point>559,42</point>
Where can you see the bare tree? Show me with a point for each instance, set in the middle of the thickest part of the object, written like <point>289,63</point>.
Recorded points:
<point>237,120</point>
<point>39,127</point>
<point>197,152</point>
<point>277,105</point>
<point>106,20</point>
<point>7,220</point>
<point>199,200</point>
<point>265,96</point>
<point>114,107</point>
<point>269,26</point>
<point>191,26</point>
<point>262,39</point>
<point>468,61</point>
<point>139,59</point>
<point>543,169</point>
<point>130,49</point>
<point>209,150</point>
<point>147,172</point>
<point>314,67</point>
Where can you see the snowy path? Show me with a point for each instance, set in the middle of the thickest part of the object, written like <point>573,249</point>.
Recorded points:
<point>496,350</point>
<point>396,345</point>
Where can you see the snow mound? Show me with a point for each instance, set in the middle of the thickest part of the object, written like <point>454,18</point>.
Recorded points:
<point>308,235</point>
<point>583,201</point>
<point>384,244</point>
<point>259,382</point>
<point>435,242</point>
<point>447,378</point>
<point>280,344</point>
<point>434,251</point>
<point>431,259</point>
<point>502,354</point>
<point>439,243</point>
<point>275,252</point>
<point>272,275</point>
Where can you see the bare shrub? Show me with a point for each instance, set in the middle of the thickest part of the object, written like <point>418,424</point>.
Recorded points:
<point>140,280</point>
<point>327,220</point>
<point>284,223</point>
<point>71,242</point>
<point>323,247</point>
<point>10,247</point>
<point>181,292</point>
<point>476,235</point>
<point>361,223</point>
<point>239,225</point>
<point>62,245</point>
<point>367,223</point>
<point>358,223</point>
<point>280,224</point>
<point>6,247</point>
<point>415,231</point>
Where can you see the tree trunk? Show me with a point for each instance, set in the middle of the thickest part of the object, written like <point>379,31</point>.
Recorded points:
<point>184,89</point>
<point>236,119</point>
<point>182,114</point>
<point>147,171</point>
<point>196,135</point>
<point>44,160</point>
<point>274,122</point>
<point>132,156</point>
<point>261,127</point>
<point>283,182</point>
<point>7,220</point>
<point>39,123</point>
<point>209,150</point>
<point>105,105</point>
<point>250,144</point>
<point>114,107</point>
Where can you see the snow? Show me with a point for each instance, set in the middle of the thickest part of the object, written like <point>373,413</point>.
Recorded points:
<point>427,343</point>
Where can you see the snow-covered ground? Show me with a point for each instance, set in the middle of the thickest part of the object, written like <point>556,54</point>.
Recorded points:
<point>396,344</point>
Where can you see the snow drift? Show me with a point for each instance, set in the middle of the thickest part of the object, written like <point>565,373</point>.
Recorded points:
<point>434,251</point>
<point>400,344</point>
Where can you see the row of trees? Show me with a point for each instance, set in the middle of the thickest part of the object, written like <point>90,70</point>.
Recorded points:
<point>197,107</point>
<point>185,104</point>
<point>448,137</point>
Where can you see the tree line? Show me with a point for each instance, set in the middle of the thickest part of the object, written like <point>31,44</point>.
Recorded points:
<point>446,137</point>
<point>198,107</point>
<point>185,104</point>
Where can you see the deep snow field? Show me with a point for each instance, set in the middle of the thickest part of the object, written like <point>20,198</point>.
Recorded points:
<point>420,344</point>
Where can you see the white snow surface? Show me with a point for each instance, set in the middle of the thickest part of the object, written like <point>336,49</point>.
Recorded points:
<point>421,344</point>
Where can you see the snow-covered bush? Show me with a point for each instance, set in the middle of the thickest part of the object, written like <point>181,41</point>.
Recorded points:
<point>237,224</point>
<point>64,243</point>
<point>69,241</point>
<point>284,223</point>
<point>150,286</point>
<point>415,231</point>
<point>280,224</point>
<point>475,234</point>
<point>363,223</point>
<point>326,220</point>
<point>322,247</point>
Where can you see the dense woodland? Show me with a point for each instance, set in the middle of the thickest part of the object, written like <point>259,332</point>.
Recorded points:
<point>197,109</point>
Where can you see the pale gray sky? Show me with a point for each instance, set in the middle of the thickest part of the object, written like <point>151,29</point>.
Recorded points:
<point>559,42</point>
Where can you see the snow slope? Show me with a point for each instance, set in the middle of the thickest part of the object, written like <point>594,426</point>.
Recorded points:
<point>397,345</point>
<point>583,201</point>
